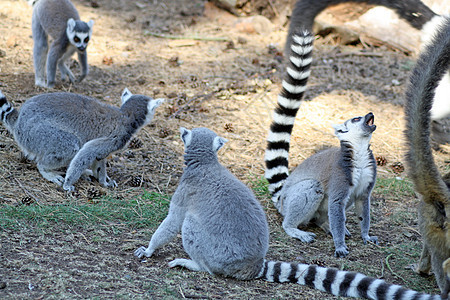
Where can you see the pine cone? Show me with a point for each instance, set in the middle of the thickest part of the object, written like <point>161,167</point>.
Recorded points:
<point>94,193</point>
<point>397,167</point>
<point>135,181</point>
<point>319,263</point>
<point>381,160</point>
<point>228,127</point>
<point>135,143</point>
<point>164,132</point>
<point>27,200</point>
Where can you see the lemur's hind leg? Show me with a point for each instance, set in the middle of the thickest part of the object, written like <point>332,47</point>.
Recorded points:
<point>186,263</point>
<point>99,171</point>
<point>50,175</point>
<point>54,54</point>
<point>300,203</point>
<point>40,49</point>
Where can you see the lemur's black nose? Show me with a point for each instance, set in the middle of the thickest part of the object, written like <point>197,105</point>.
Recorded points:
<point>82,48</point>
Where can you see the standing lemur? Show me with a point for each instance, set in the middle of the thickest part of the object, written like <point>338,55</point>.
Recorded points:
<point>326,184</point>
<point>60,130</point>
<point>225,231</point>
<point>58,19</point>
<point>416,13</point>
<point>434,209</point>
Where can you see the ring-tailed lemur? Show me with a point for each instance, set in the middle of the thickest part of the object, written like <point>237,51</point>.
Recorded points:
<point>225,231</point>
<point>60,20</point>
<point>69,130</point>
<point>434,209</point>
<point>326,184</point>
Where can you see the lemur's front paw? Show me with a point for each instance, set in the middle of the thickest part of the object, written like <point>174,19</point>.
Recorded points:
<point>111,183</point>
<point>142,251</point>
<point>68,187</point>
<point>51,84</point>
<point>372,239</point>
<point>341,251</point>
<point>40,83</point>
<point>81,77</point>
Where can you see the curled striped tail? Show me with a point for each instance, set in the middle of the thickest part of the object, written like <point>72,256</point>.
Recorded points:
<point>336,282</point>
<point>289,100</point>
<point>8,114</point>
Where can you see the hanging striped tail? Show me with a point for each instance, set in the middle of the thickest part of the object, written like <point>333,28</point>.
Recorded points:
<point>289,100</point>
<point>336,282</point>
<point>8,114</point>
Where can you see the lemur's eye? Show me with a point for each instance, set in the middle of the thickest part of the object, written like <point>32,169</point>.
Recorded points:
<point>86,40</point>
<point>76,39</point>
<point>356,119</point>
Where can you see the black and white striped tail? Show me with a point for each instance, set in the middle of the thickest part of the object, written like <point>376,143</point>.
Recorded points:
<point>289,100</point>
<point>336,282</point>
<point>5,111</point>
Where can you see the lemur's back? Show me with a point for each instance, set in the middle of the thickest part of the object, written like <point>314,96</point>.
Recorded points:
<point>62,10</point>
<point>308,169</point>
<point>82,116</point>
<point>225,227</point>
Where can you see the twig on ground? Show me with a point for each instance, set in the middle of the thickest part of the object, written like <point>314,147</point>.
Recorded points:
<point>389,267</point>
<point>205,96</point>
<point>196,38</point>
<point>27,192</point>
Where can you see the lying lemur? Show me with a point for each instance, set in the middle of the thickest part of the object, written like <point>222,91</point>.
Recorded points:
<point>225,231</point>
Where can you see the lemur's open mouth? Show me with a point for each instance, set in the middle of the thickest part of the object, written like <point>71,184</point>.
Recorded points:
<point>370,119</point>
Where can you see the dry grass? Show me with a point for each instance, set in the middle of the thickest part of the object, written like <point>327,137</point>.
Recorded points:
<point>206,83</point>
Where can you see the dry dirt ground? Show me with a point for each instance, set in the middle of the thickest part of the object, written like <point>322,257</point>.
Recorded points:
<point>220,77</point>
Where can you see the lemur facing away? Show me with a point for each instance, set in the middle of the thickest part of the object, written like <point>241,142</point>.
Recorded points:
<point>69,130</point>
<point>60,20</point>
<point>225,231</point>
<point>434,210</point>
<point>326,184</point>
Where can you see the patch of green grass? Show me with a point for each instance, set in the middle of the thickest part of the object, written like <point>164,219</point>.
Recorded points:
<point>259,185</point>
<point>398,260</point>
<point>147,210</point>
<point>394,187</point>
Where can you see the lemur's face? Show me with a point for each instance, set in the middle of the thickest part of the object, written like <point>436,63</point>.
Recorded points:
<point>79,33</point>
<point>356,128</point>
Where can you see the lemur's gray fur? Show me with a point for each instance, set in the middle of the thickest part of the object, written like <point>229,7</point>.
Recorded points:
<point>58,19</point>
<point>225,231</point>
<point>69,130</point>
<point>434,209</point>
<point>328,183</point>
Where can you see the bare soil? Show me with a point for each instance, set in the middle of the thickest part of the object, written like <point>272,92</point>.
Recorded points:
<point>219,76</point>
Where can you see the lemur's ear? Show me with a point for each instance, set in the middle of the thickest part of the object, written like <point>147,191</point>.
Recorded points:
<point>126,95</point>
<point>90,24</point>
<point>218,143</point>
<point>186,136</point>
<point>70,24</point>
<point>339,129</point>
